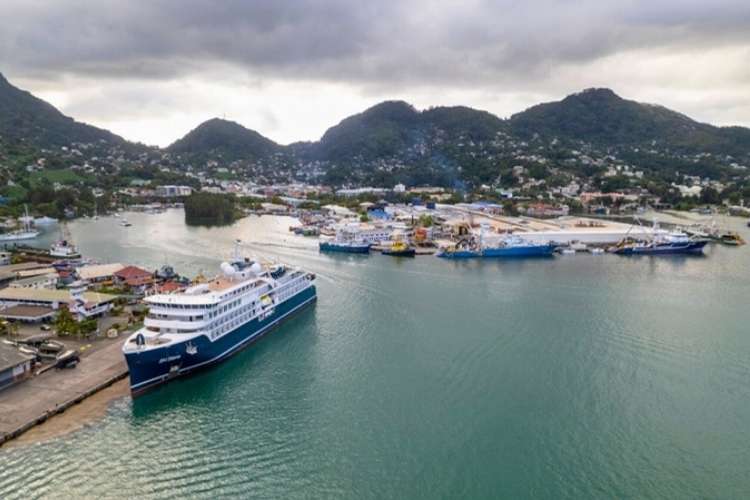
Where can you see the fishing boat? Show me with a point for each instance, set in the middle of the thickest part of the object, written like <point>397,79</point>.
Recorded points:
<point>661,244</point>
<point>400,249</point>
<point>208,322</point>
<point>26,233</point>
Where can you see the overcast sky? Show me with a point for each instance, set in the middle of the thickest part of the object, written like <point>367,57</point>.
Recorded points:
<point>152,70</point>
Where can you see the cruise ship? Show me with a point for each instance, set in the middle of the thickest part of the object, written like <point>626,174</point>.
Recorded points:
<point>209,322</point>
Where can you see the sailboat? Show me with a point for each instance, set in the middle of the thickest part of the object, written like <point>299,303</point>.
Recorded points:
<point>27,233</point>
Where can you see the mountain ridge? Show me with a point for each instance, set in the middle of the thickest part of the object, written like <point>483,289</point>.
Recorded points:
<point>24,117</point>
<point>393,141</point>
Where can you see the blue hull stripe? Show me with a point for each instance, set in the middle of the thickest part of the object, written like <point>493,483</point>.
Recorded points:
<point>151,359</point>
<point>333,247</point>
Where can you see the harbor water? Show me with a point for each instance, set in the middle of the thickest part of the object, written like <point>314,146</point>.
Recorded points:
<point>582,376</point>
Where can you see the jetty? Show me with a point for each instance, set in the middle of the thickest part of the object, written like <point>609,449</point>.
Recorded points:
<point>33,401</point>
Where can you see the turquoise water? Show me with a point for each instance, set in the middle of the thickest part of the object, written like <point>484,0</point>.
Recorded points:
<point>573,377</point>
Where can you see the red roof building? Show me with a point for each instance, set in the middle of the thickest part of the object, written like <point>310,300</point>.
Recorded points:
<point>134,276</point>
<point>168,287</point>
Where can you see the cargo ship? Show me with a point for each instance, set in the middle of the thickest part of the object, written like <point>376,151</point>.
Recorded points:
<point>506,246</point>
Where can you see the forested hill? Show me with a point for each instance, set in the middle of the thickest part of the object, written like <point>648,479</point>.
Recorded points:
<point>26,118</point>
<point>392,142</point>
<point>225,140</point>
<point>602,117</point>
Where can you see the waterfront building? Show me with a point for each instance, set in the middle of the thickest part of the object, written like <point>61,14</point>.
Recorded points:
<point>14,366</point>
<point>133,277</point>
<point>99,273</point>
<point>81,302</point>
<point>173,191</point>
<point>48,280</point>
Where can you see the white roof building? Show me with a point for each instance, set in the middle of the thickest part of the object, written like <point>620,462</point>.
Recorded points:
<point>98,272</point>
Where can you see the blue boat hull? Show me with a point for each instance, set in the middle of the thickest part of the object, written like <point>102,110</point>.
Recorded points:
<point>333,247</point>
<point>694,247</point>
<point>529,251</point>
<point>461,254</point>
<point>495,253</point>
<point>153,367</point>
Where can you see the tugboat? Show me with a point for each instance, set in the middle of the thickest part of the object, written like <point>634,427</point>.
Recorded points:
<point>400,249</point>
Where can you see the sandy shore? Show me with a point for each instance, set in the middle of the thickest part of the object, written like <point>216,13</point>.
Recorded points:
<point>76,417</point>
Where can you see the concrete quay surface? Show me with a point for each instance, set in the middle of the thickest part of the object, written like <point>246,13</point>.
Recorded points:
<point>33,401</point>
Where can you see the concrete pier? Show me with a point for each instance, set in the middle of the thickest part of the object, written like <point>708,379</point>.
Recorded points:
<point>33,401</point>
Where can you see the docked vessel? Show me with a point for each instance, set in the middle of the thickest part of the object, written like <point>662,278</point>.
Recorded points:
<point>347,240</point>
<point>509,245</point>
<point>26,233</point>
<point>350,246</point>
<point>661,244</point>
<point>399,249</point>
<point>210,321</point>
<point>732,238</point>
<point>64,250</point>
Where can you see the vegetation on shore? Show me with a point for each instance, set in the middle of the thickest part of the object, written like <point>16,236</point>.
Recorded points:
<point>207,209</point>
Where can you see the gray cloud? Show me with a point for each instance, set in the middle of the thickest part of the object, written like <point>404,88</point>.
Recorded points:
<point>362,42</point>
<point>150,70</point>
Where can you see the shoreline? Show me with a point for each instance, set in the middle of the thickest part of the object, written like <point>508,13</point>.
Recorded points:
<point>88,411</point>
<point>32,402</point>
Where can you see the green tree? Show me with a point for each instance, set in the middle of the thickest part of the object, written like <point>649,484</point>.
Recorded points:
<point>65,323</point>
<point>425,220</point>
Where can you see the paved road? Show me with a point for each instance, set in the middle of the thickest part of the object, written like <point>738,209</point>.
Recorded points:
<point>43,395</point>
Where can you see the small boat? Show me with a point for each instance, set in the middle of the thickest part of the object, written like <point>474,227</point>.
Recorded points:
<point>567,251</point>
<point>400,249</point>
<point>44,221</point>
<point>597,251</point>
<point>125,223</point>
<point>578,246</point>
<point>731,238</point>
